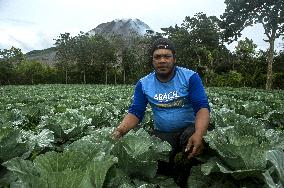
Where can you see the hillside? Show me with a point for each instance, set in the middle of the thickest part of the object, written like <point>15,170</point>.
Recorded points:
<point>46,56</point>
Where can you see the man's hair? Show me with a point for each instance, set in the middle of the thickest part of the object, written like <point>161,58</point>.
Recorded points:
<point>163,43</point>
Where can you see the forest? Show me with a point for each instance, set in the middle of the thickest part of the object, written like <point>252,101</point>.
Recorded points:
<point>201,46</point>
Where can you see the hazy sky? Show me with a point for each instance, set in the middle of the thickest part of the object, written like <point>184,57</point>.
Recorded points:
<point>33,24</point>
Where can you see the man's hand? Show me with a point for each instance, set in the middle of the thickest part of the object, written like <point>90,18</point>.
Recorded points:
<point>129,122</point>
<point>194,145</point>
<point>116,134</point>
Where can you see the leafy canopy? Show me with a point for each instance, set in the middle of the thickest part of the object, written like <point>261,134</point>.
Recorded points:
<point>242,13</point>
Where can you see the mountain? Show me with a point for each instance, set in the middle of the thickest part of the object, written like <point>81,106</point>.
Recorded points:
<point>123,27</point>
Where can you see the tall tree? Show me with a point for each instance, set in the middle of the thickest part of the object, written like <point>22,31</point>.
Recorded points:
<point>198,42</point>
<point>8,59</point>
<point>182,40</point>
<point>119,43</point>
<point>31,72</point>
<point>242,13</point>
<point>12,55</point>
<point>247,64</point>
<point>83,50</point>
<point>104,55</point>
<point>246,49</point>
<point>6,69</point>
<point>65,55</point>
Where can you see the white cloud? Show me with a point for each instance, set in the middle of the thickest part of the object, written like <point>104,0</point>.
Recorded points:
<point>33,24</point>
<point>22,37</point>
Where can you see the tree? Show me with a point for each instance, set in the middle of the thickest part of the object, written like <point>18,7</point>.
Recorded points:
<point>65,55</point>
<point>31,72</point>
<point>242,13</point>
<point>278,68</point>
<point>5,71</point>
<point>129,60</point>
<point>8,59</point>
<point>13,55</point>
<point>83,50</point>
<point>104,55</point>
<point>198,43</point>
<point>247,64</point>
<point>181,37</point>
<point>246,49</point>
<point>119,44</point>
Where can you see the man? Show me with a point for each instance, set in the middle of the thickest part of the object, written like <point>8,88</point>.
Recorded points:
<point>178,100</point>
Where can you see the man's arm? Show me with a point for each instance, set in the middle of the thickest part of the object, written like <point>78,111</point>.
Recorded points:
<point>135,113</point>
<point>129,122</point>
<point>202,121</point>
<point>201,108</point>
<point>195,145</point>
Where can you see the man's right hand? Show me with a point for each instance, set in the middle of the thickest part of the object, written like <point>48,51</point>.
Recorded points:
<point>116,134</point>
<point>129,122</point>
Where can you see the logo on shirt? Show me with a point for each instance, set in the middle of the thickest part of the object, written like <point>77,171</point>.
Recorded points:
<point>173,104</point>
<point>166,96</point>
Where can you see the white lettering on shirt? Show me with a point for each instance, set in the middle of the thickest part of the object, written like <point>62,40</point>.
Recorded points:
<point>166,96</point>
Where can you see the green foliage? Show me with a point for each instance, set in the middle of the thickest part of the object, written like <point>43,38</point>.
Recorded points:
<point>64,54</point>
<point>199,42</point>
<point>217,180</point>
<point>19,143</point>
<point>94,161</point>
<point>231,79</point>
<point>245,49</point>
<point>240,135</point>
<point>274,176</point>
<point>235,78</point>
<point>31,72</point>
<point>203,30</point>
<point>278,80</point>
<point>12,55</point>
<point>68,169</point>
<point>240,14</point>
<point>6,71</point>
<point>8,59</point>
<point>40,52</point>
<point>138,150</point>
<point>65,129</point>
<point>241,149</point>
<point>10,147</point>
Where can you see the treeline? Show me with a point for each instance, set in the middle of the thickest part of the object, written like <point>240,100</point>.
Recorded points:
<point>96,60</point>
<point>116,60</point>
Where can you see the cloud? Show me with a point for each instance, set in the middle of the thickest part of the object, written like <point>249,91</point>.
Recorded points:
<point>26,39</point>
<point>16,21</point>
<point>33,24</point>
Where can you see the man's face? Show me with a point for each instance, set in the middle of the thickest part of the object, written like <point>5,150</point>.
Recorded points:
<point>163,62</point>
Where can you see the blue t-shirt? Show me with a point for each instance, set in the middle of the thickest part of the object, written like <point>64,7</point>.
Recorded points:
<point>174,103</point>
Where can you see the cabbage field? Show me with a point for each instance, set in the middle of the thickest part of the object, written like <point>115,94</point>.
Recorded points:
<point>59,136</point>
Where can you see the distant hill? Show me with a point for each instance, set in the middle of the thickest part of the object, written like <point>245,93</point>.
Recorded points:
<point>123,27</point>
<point>46,56</point>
